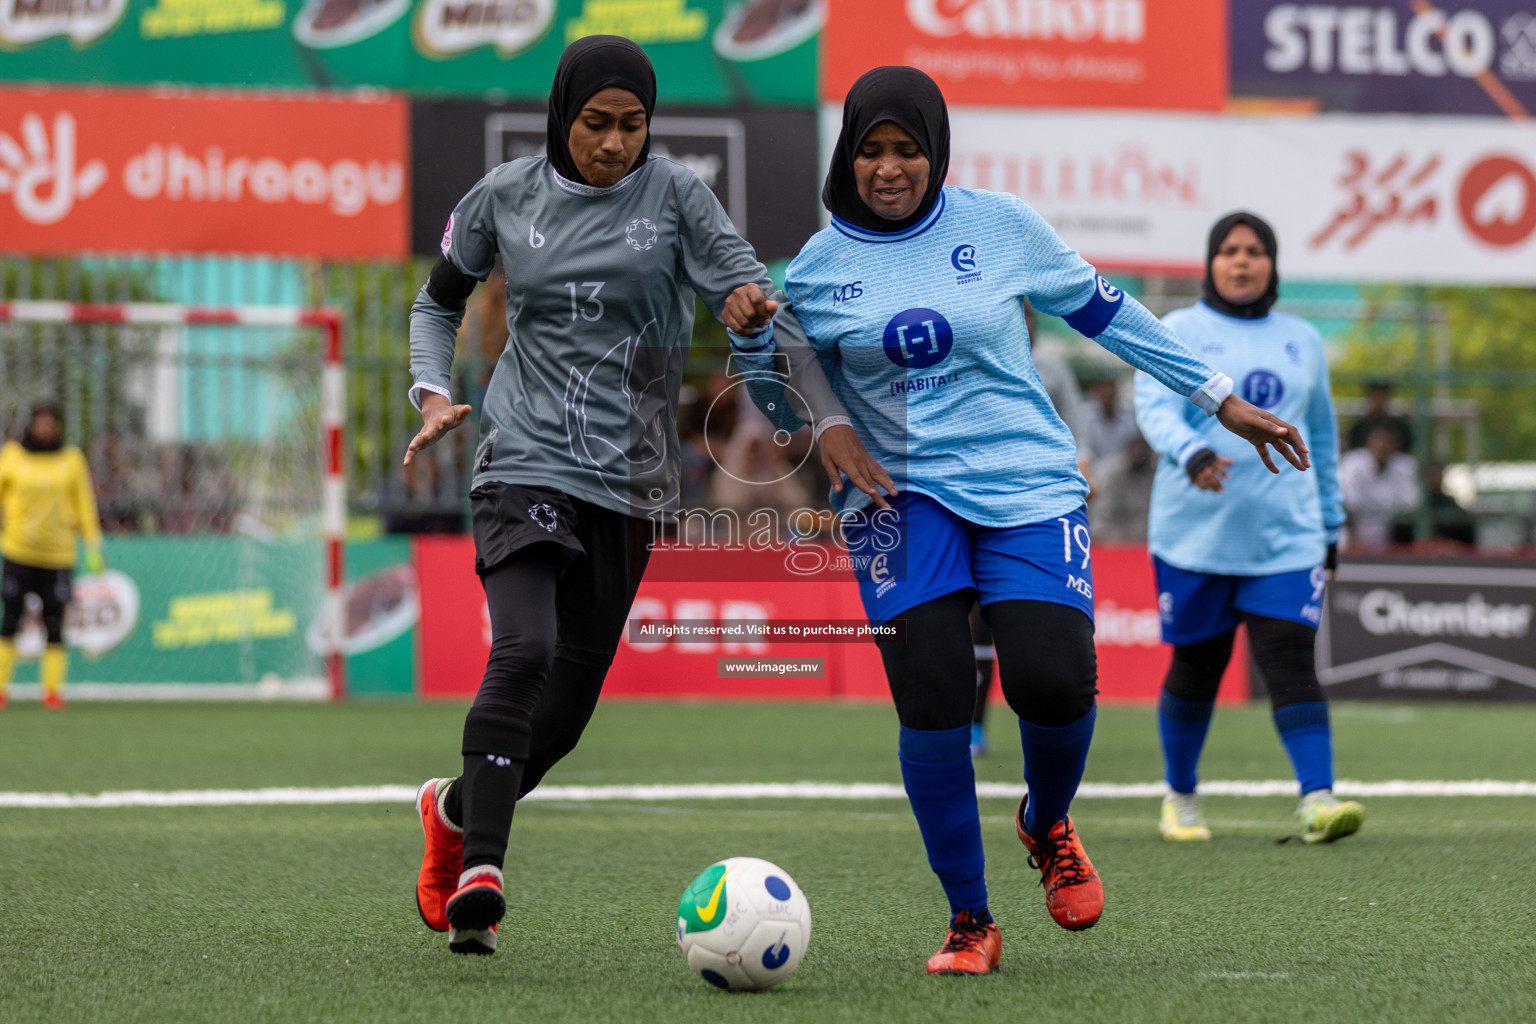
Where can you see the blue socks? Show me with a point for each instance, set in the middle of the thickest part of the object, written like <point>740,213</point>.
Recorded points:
<point>1303,729</point>
<point>941,786</point>
<point>1309,742</point>
<point>1054,759</point>
<point>1183,725</point>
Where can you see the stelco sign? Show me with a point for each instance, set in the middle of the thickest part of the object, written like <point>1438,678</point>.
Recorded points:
<point>1474,58</point>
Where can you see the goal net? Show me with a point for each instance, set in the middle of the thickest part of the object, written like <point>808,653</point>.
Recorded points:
<point>214,440</point>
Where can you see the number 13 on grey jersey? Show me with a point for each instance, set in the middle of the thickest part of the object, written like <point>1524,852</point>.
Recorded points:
<point>600,302</point>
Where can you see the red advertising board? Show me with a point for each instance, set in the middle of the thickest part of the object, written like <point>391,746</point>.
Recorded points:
<point>145,172</point>
<point>1126,632</point>
<point>1162,54</point>
<point>455,631</point>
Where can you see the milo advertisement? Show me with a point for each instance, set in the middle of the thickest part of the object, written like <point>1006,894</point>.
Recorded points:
<point>712,52</point>
<point>246,615</point>
<point>194,610</point>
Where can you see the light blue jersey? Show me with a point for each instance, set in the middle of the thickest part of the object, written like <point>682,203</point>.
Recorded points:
<point>1262,523</point>
<point>922,336</point>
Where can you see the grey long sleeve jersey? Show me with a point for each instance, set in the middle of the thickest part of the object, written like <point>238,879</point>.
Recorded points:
<point>600,304</point>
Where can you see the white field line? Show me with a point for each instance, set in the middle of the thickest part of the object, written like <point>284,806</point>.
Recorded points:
<point>299,795</point>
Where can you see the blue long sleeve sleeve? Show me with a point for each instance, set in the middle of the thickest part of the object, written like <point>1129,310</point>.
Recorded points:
<point>1323,439</point>
<point>1163,419</point>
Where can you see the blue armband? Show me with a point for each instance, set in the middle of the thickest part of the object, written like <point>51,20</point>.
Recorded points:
<point>1100,309</point>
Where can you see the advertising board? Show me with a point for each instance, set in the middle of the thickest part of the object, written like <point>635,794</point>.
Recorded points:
<point>150,172</point>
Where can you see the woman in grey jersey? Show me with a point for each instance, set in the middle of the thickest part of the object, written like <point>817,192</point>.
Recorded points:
<point>604,249</point>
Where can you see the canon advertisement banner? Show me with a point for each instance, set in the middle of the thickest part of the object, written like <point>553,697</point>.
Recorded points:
<point>1038,53</point>
<point>141,172</point>
<point>759,163</point>
<point>1438,628</point>
<point>1353,197</point>
<point>1410,56</point>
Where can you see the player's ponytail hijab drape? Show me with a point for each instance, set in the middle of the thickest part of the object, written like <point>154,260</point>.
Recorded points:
<point>908,99</point>
<point>587,67</point>
<point>1219,231</point>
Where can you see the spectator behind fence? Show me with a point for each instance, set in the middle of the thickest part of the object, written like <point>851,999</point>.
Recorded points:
<point>1381,488</point>
<point>1449,521</point>
<point>1110,426</point>
<point>1124,493</point>
<point>1378,395</point>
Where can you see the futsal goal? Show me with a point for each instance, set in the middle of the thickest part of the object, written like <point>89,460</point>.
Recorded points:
<point>216,443</point>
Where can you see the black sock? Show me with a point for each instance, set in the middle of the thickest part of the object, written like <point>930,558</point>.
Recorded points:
<point>982,917</point>
<point>495,753</point>
<point>453,803</point>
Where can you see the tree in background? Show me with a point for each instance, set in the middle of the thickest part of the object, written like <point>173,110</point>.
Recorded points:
<point>1491,356</point>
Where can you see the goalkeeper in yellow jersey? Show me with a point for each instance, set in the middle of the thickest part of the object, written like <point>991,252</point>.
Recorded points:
<point>46,504</point>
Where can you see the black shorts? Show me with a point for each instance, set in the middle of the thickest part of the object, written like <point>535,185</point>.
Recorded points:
<point>509,517</point>
<point>52,586</point>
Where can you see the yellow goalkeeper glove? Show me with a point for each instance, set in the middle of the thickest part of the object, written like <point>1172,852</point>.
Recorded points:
<point>95,564</point>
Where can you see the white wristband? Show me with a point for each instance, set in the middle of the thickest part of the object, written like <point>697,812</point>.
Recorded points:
<point>415,393</point>
<point>1212,393</point>
<point>826,423</point>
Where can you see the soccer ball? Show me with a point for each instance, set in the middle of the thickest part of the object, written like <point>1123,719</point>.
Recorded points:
<point>743,924</point>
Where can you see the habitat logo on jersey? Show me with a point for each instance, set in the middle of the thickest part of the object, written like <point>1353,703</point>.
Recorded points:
<point>963,259</point>
<point>918,338</point>
<point>1263,388</point>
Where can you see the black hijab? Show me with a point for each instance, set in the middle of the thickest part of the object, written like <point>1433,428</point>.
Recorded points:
<point>31,443</point>
<point>1219,232</point>
<point>587,67</point>
<point>908,99</point>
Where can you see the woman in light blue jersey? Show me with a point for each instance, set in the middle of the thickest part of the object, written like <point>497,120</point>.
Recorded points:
<point>1231,545</point>
<point>914,300</point>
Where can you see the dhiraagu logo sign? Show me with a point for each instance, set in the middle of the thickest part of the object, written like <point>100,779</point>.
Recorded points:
<point>704,902</point>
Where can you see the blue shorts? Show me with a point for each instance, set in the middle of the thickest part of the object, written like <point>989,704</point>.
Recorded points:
<point>1196,606</point>
<point>921,550</point>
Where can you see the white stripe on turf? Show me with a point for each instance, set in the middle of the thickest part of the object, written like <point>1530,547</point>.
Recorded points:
<point>731,791</point>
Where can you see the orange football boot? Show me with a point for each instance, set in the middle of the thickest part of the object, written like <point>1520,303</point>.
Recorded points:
<point>53,701</point>
<point>440,863</point>
<point>474,910</point>
<point>969,948</point>
<point>1073,893</point>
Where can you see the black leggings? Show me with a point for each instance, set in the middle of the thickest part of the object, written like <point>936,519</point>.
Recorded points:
<point>557,613</point>
<point>52,587</point>
<point>556,621</point>
<point>1282,649</point>
<point>555,630</point>
<point>1045,659</point>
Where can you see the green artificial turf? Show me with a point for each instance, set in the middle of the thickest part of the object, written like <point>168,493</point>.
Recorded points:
<point>306,913</point>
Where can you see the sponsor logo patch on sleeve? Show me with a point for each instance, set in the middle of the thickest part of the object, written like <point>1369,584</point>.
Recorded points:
<point>447,236</point>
